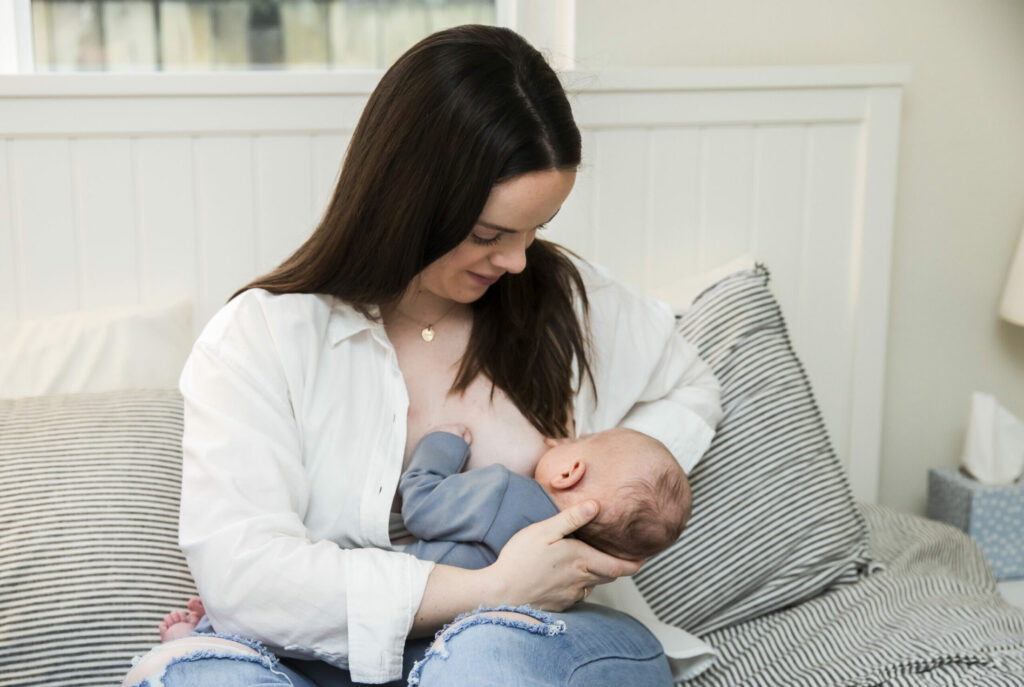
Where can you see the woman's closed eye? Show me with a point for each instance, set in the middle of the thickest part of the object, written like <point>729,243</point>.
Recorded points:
<point>484,236</point>
<point>485,239</point>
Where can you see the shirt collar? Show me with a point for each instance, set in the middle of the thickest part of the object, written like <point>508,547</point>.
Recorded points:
<point>345,321</point>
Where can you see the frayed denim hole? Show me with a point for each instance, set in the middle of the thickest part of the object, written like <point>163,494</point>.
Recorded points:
<point>269,662</point>
<point>525,609</point>
<point>548,627</point>
<point>251,643</point>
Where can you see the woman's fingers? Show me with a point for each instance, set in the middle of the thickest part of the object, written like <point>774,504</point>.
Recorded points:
<point>607,567</point>
<point>569,520</point>
<point>541,567</point>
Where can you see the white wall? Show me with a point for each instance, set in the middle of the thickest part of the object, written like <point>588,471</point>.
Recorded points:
<point>960,188</point>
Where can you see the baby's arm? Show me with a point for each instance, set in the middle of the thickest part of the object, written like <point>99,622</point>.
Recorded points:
<point>438,456</point>
<point>448,510</point>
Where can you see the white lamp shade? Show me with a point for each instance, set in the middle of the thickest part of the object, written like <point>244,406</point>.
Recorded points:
<point>1012,307</point>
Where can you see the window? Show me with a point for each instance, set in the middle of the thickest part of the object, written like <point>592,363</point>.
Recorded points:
<point>204,35</point>
<point>209,35</point>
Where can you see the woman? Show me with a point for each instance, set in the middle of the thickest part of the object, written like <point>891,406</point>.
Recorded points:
<point>423,297</point>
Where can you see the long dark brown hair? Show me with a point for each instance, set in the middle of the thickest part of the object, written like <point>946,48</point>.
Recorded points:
<point>462,110</point>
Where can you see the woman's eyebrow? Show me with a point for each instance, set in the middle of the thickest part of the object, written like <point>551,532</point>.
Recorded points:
<point>498,227</point>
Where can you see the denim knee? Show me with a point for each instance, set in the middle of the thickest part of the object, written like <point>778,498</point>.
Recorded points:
<point>205,660</point>
<point>533,622</point>
<point>588,645</point>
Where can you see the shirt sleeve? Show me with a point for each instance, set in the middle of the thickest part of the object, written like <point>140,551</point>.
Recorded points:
<point>648,376</point>
<point>439,502</point>
<point>243,498</point>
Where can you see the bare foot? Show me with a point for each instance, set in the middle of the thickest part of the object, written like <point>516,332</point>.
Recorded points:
<point>178,624</point>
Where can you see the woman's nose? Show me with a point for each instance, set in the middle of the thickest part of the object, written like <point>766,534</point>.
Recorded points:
<point>511,258</point>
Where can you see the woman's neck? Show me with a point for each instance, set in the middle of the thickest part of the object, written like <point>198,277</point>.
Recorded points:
<point>423,306</point>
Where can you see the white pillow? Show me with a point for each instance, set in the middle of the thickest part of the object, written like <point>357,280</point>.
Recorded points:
<point>134,347</point>
<point>680,294</point>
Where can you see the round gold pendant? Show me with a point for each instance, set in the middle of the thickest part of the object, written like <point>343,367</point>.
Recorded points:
<point>427,333</point>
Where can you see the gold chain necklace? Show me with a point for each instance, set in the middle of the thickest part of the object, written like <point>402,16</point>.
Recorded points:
<point>427,333</point>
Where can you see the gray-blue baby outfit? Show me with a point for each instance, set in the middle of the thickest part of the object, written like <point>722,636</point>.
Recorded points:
<point>465,518</point>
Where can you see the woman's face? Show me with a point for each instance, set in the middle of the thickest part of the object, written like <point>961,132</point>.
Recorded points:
<point>514,211</point>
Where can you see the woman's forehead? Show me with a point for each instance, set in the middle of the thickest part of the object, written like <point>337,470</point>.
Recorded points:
<point>525,202</point>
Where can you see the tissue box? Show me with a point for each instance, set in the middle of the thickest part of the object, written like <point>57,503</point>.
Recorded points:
<point>992,515</point>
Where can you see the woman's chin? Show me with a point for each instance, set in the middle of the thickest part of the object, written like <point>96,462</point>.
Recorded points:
<point>472,292</point>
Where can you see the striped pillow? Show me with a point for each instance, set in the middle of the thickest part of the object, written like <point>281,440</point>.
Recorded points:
<point>89,559</point>
<point>774,520</point>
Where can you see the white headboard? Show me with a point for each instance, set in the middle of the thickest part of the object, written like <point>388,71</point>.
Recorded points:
<point>123,189</point>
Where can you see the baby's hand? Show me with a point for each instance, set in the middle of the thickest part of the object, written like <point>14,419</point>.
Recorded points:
<point>457,430</point>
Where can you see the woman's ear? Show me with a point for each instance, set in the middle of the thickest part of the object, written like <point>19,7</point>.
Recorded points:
<point>569,476</point>
<point>551,442</point>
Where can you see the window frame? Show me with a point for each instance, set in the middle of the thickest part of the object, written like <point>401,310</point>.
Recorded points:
<point>549,24</point>
<point>16,37</point>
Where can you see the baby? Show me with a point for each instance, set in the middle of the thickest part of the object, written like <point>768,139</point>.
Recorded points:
<point>465,518</point>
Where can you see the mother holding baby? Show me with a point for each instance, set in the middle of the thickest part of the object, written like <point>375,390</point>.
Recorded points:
<point>423,298</point>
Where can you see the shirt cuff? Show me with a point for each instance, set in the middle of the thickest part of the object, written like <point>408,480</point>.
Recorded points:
<point>685,434</point>
<point>384,591</point>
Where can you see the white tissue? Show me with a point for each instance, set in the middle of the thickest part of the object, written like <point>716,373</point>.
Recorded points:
<point>994,450</point>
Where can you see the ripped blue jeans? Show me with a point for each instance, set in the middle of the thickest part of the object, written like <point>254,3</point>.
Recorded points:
<point>587,645</point>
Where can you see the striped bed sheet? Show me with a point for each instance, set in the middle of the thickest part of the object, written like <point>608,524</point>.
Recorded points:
<point>929,614</point>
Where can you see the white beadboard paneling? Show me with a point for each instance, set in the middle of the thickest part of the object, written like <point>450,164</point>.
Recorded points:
<point>43,210</point>
<point>8,265</point>
<point>166,211</point>
<point>825,340</point>
<point>284,192</point>
<point>778,211</point>
<point>224,187</point>
<point>727,186</point>
<point>682,170</point>
<point>328,150</point>
<point>574,226</point>
<point>155,115</point>
<point>620,186</point>
<point>871,257</point>
<point>643,109</point>
<point>673,201</point>
<point>105,189</point>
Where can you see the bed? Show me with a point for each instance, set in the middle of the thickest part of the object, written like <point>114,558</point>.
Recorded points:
<point>757,202</point>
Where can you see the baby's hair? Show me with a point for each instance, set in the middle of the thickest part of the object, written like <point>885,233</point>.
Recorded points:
<point>651,516</point>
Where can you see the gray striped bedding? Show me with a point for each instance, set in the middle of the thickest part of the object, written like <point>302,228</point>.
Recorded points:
<point>89,558</point>
<point>930,617</point>
<point>774,521</point>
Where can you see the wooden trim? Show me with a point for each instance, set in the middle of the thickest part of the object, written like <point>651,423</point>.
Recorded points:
<point>362,82</point>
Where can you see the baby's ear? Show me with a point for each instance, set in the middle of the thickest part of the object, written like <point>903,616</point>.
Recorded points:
<point>570,476</point>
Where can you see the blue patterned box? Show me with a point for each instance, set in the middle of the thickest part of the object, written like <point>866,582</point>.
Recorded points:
<point>992,515</point>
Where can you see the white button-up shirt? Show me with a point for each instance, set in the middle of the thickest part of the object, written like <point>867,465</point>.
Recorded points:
<point>295,430</point>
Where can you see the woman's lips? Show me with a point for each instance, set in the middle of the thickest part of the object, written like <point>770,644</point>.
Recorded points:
<point>483,280</point>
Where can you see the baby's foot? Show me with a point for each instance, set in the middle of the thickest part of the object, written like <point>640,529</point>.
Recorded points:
<point>178,624</point>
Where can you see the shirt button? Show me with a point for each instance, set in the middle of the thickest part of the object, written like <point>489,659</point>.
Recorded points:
<point>380,488</point>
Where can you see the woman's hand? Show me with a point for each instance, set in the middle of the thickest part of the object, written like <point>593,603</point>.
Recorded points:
<point>540,567</point>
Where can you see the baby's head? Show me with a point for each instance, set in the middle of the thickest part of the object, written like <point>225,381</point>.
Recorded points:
<point>644,494</point>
